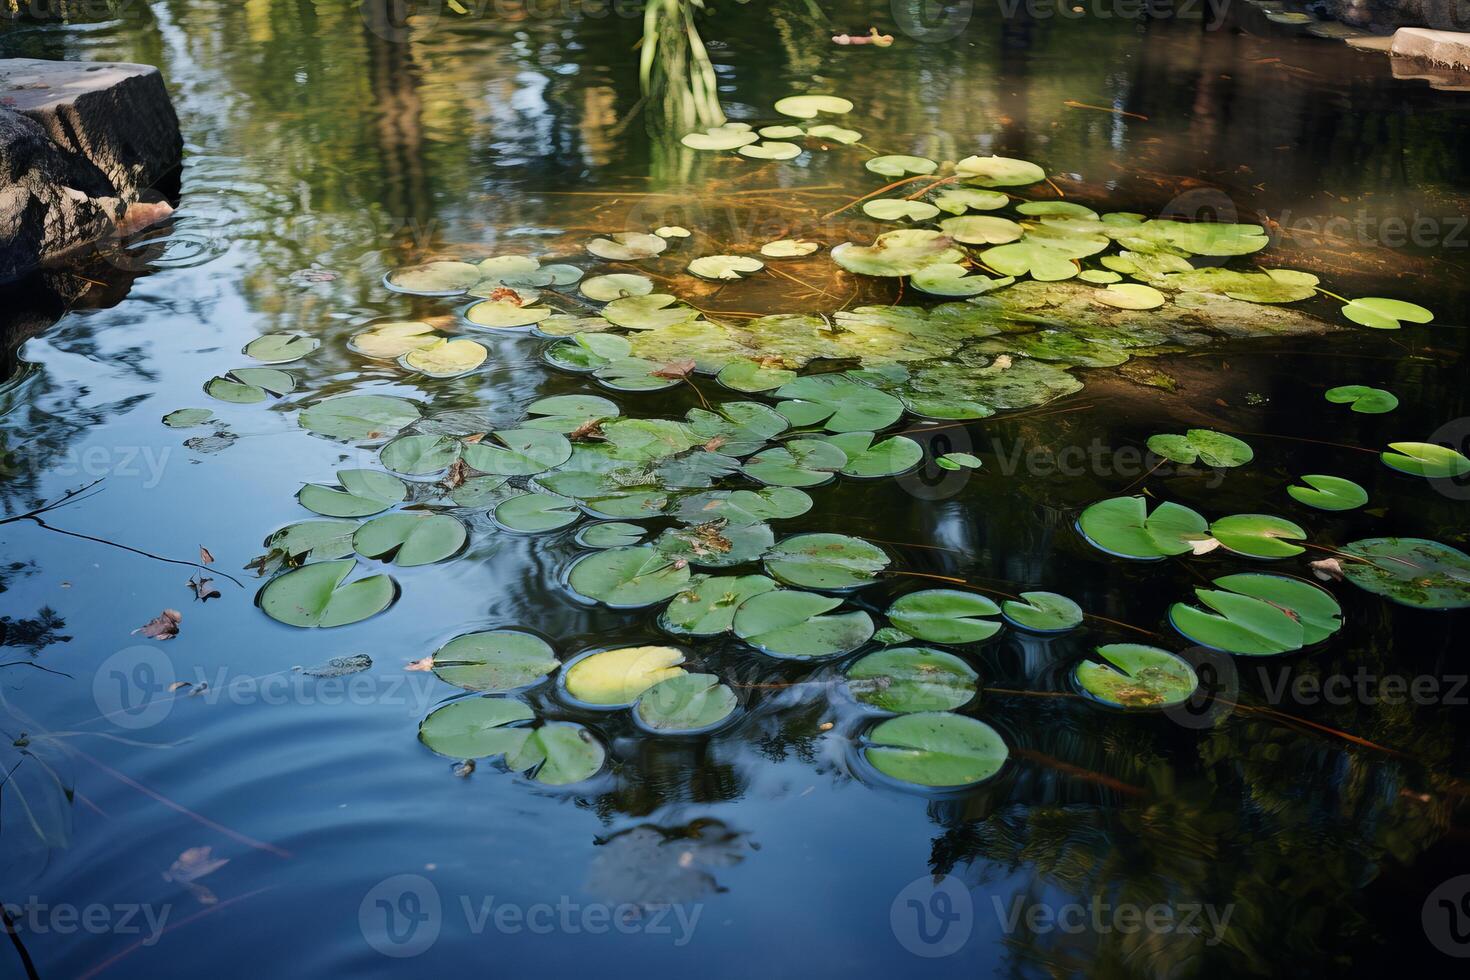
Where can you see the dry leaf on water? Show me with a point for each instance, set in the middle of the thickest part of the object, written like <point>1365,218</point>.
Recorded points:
<point>205,556</point>
<point>192,865</point>
<point>163,627</point>
<point>677,370</point>
<point>203,588</point>
<point>1328,569</point>
<point>423,663</point>
<point>465,768</point>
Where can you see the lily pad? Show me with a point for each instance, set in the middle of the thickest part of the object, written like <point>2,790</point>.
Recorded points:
<point>1099,276</point>
<point>836,134</point>
<point>1328,493</point>
<point>746,375</point>
<point>808,106</point>
<point>958,461</point>
<point>909,679</point>
<point>246,386</point>
<point>532,513</point>
<point>981,229</point>
<point>187,418</point>
<point>717,138</point>
<point>359,418</point>
<point>446,358</point>
<point>495,661</point>
<point>628,246</point>
<point>629,578</point>
<point>1425,459</point>
<point>897,209</point>
<point>651,312</point>
<point>897,253</point>
<point>1385,314</point>
<point>999,171</point>
<point>826,562</point>
<point>945,616</point>
<point>936,749</point>
<point>798,463</point>
<point>960,199</point>
<point>770,150</point>
<point>800,625</point>
<point>788,248</point>
<point>362,493</point>
<point>1369,401</point>
<point>869,460</point>
<point>707,607</point>
<point>314,595</point>
<point>419,455</point>
<point>744,506</point>
<point>842,404</point>
<point>1131,296</point>
<point>1258,615</point>
<point>474,728</point>
<point>952,279</point>
<point>616,678</point>
<point>558,753</point>
<point>502,314</point>
<point>1132,675</point>
<point>1209,447</point>
<point>610,534</point>
<point>1122,526</point>
<point>281,348</point>
<point>725,267</point>
<point>717,543</point>
<point>518,452</point>
<point>685,705</point>
<point>304,541</point>
<point>604,289</point>
<point>1020,258</point>
<point>1258,535</point>
<point>1410,571</point>
<point>392,340</point>
<point>1042,612</point>
<point>782,132</point>
<point>410,538</point>
<point>433,278</point>
<point>672,231</point>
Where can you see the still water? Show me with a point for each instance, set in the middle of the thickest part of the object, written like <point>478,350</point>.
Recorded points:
<point>1296,832</point>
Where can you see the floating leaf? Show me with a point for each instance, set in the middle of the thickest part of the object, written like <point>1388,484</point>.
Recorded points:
<point>615,678</point>
<point>610,534</point>
<point>1370,401</point>
<point>305,541</point>
<point>784,623</point>
<point>1410,571</point>
<point>281,348</point>
<point>446,358</point>
<point>1099,276</point>
<point>411,539</point>
<point>573,410</point>
<point>314,595</point>
<point>751,376</point>
<point>896,209</point>
<point>1209,447</point>
<point>359,418</point>
<point>798,463</point>
<point>1043,263</point>
<point>1385,314</point>
<point>1425,459</point>
<point>1043,612</point>
<point>998,171</point>
<point>1205,237</point>
<point>958,200</point>
<point>628,246</point>
<point>744,506</point>
<point>495,661</point>
<point>725,267</point>
<point>708,607</point>
<point>473,728</point>
<point>1258,535</point>
<point>788,248</point>
<point>936,749</point>
<point>952,279</point>
<point>959,461</point>
<point>361,494</point>
<point>433,278</point>
<point>1131,296</point>
<point>909,679</point>
<point>782,132</point>
<point>500,314</point>
<point>1258,615</point>
<point>981,229</point>
<point>1329,493</point>
<point>419,455</point>
<point>827,562</point>
<point>558,753</point>
<point>715,138</point>
<point>649,312</point>
<point>629,578</point>
<point>837,134</point>
<point>391,341</point>
<point>770,150</point>
<point>187,418</point>
<point>535,512</point>
<point>717,543</point>
<point>672,231</point>
<point>945,616</point>
<point>1123,527</point>
<point>807,106</point>
<point>518,452</point>
<point>685,705</point>
<point>843,404</point>
<point>897,253</point>
<point>245,386</point>
<point>604,289</point>
<point>867,460</point>
<point>1137,676</point>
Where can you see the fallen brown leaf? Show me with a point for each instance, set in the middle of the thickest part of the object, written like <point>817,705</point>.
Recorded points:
<point>423,663</point>
<point>677,370</point>
<point>192,865</point>
<point>714,443</point>
<point>1327,569</point>
<point>590,429</point>
<point>205,556</point>
<point>472,439</point>
<point>465,768</point>
<point>458,473</point>
<point>163,627</point>
<point>204,589</point>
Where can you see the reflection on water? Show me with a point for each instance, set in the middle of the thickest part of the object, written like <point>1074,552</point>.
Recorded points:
<point>322,153</point>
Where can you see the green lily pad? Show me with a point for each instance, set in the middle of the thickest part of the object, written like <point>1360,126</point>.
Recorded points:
<point>304,541</point>
<point>616,678</point>
<point>685,705</point>
<point>958,200</point>
<point>999,171</point>
<point>800,625</point>
<point>842,404</point>
<point>744,506</point>
<point>1329,493</point>
<point>1369,401</point>
<point>1122,526</point>
<point>433,279</point>
<point>826,562</point>
<point>770,150</point>
<point>502,314</point>
<point>717,138</point>
<point>480,491</point>
<point>610,534</point>
<point>445,358</point>
<point>1131,296</point>
<point>187,418</point>
<point>909,679</point>
<point>558,753</point>
<point>953,279</point>
<point>936,749</point>
<point>1136,676</point>
<point>495,661</point>
<point>725,267</point>
<point>1206,238</point>
<point>782,132</point>
<point>1258,535</point>
<point>313,595</point>
<point>604,289</point>
<point>1410,571</point>
<point>788,248</point>
<point>1065,209</point>
<point>1209,447</point>
<point>897,209</point>
<point>981,229</point>
<point>896,165</point>
<point>474,728</point>
<point>1099,276</point>
<point>281,348</point>
<point>1425,459</point>
<point>798,463</point>
<point>361,493</point>
<point>945,616</point>
<point>1258,615</point>
<point>707,607</point>
<point>410,538</point>
<point>531,513</point>
<point>737,428</point>
<point>897,253</point>
<point>717,543</point>
<point>1385,314</point>
<point>1043,263</point>
<point>359,418</point>
<point>836,134</point>
<point>746,375</point>
<point>246,386</point>
<point>628,578</point>
<point>518,452</point>
<point>808,106</point>
<point>647,312</point>
<point>630,246</point>
<point>562,274</point>
<point>419,455</point>
<point>958,461</point>
<point>606,495</point>
<point>1043,612</point>
<point>869,460</point>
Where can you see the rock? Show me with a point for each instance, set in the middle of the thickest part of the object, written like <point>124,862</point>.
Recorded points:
<point>79,144</point>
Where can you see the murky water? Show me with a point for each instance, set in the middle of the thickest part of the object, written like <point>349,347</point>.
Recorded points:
<point>320,154</point>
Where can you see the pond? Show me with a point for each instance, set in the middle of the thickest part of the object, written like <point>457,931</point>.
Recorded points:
<point>812,799</point>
